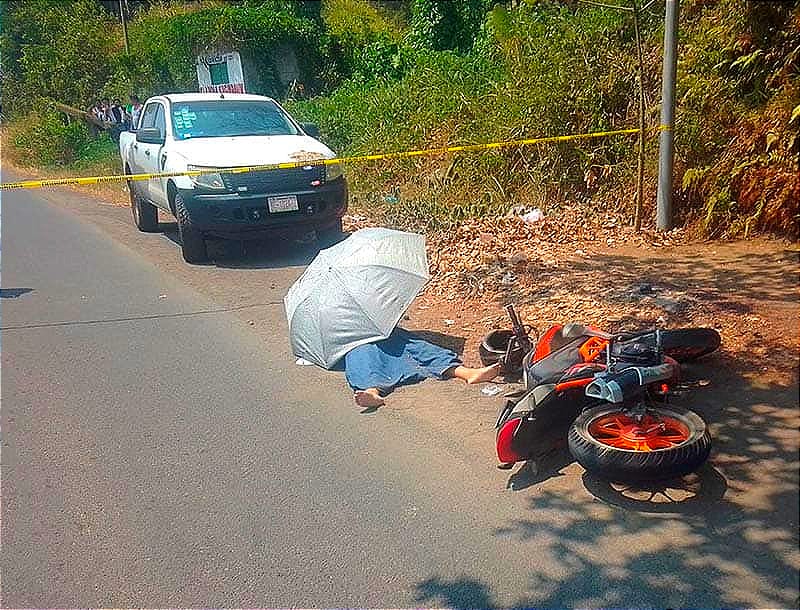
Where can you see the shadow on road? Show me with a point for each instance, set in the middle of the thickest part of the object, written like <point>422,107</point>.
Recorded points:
<point>13,293</point>
<point>461,593</point>
<point>253,254</point>
<point>725,536</point>
<point>452,342</point>
<point>690,494</point>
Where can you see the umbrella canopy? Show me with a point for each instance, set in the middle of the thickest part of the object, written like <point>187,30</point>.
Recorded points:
<point>354,293</point>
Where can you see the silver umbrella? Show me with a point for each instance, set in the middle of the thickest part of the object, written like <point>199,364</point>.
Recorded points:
<point>354,293</point>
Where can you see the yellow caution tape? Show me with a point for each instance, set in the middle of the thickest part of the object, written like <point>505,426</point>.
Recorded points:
<point>30,184</point>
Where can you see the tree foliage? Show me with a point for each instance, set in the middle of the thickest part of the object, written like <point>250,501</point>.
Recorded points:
<point>447,25</point>
<point>168,38</point>
<point>57,50</point>
<point>366,39</point>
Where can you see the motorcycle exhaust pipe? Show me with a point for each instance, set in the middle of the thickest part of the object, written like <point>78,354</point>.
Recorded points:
<point>618,387</point>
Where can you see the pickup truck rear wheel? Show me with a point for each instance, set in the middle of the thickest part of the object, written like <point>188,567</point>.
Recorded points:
<point>145,214</point>
<point>193,244</point>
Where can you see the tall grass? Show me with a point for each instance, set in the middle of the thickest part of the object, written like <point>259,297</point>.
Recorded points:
<point>547,71</point>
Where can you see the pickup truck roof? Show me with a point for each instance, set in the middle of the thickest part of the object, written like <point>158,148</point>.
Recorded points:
<point>207,97</point>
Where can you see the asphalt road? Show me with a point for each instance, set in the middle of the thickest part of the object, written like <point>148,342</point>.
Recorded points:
<point>157,451</point>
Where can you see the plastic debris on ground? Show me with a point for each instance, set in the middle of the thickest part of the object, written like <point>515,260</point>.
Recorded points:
<point>532,217</point>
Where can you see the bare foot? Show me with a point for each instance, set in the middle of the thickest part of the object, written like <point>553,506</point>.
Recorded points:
<point>487,373</point>
<point>369,398</point>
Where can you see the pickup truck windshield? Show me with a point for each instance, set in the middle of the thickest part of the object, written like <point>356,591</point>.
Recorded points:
<point>228,118</point>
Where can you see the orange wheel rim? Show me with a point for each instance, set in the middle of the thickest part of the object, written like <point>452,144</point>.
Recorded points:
<point>651,433</point>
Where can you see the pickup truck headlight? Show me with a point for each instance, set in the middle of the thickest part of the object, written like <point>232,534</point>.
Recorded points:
<point>333,171</point>
<point>207,181</point>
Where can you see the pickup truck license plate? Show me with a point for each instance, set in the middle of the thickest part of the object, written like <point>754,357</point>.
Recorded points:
<point>283,204</point>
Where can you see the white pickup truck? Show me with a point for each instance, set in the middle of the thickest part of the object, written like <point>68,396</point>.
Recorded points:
<point>204,131</point>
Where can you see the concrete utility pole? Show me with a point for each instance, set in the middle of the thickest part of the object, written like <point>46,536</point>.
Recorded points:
<point>124,25</point>
<point>666,148</point>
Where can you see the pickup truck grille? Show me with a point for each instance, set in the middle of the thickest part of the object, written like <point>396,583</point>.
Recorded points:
<point>275,180</point>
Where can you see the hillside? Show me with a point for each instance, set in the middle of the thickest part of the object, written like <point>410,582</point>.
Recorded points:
<point>390,76</point>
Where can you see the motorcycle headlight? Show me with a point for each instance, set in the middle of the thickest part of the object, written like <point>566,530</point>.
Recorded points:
<point>333,171</point>
<point>207,181</point>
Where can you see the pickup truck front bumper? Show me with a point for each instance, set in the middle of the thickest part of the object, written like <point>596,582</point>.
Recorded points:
<point>247,215</point>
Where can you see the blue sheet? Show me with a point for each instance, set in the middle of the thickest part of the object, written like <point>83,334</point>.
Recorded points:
<point>401,359</point>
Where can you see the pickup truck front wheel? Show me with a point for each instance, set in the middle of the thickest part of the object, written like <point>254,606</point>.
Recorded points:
<point>193,244</point>
<point>145,215</point>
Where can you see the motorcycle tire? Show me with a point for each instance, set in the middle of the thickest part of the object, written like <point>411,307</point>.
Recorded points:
<point>686,344</point>
<point>613,446</point>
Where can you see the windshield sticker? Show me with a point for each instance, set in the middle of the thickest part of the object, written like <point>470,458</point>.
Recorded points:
<point>183,116</point>
<point>182,119</point>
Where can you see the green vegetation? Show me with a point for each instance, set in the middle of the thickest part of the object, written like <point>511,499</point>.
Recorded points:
<point>48,139</point>
<point>44,139</point>
<point>739,148</point>
<point>167,39</point>
<point>55,50</point>
<point>394,75</point>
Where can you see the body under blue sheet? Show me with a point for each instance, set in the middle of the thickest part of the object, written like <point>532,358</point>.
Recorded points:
<point>401,359</point>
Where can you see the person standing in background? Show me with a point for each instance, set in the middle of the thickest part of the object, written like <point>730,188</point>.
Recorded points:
<point>108,117</point>
<point>118,112</point>
<point>136,111</point>
<point>120,119</point>
<point>97,111</point>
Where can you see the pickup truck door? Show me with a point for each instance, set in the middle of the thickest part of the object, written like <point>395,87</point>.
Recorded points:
<point>158,186</point>
<point>146,156</point>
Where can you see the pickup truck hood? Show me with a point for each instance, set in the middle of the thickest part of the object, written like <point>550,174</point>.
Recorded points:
<point>250,150</point>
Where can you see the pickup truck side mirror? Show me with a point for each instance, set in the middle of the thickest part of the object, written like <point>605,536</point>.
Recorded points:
<point>150,135</point>
<point>311,129</point>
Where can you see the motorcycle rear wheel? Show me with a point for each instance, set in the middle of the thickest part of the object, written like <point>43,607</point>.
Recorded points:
<point>669,442</point>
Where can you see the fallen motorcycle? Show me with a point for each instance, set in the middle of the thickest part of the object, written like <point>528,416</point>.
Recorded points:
<point>607,393</point>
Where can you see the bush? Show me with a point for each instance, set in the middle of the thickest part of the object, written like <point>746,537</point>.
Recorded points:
<point>736,144</point>
<point>444,26</point>
<point>542,71</point>
<point>42,138</point>
<point>100,155</point>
